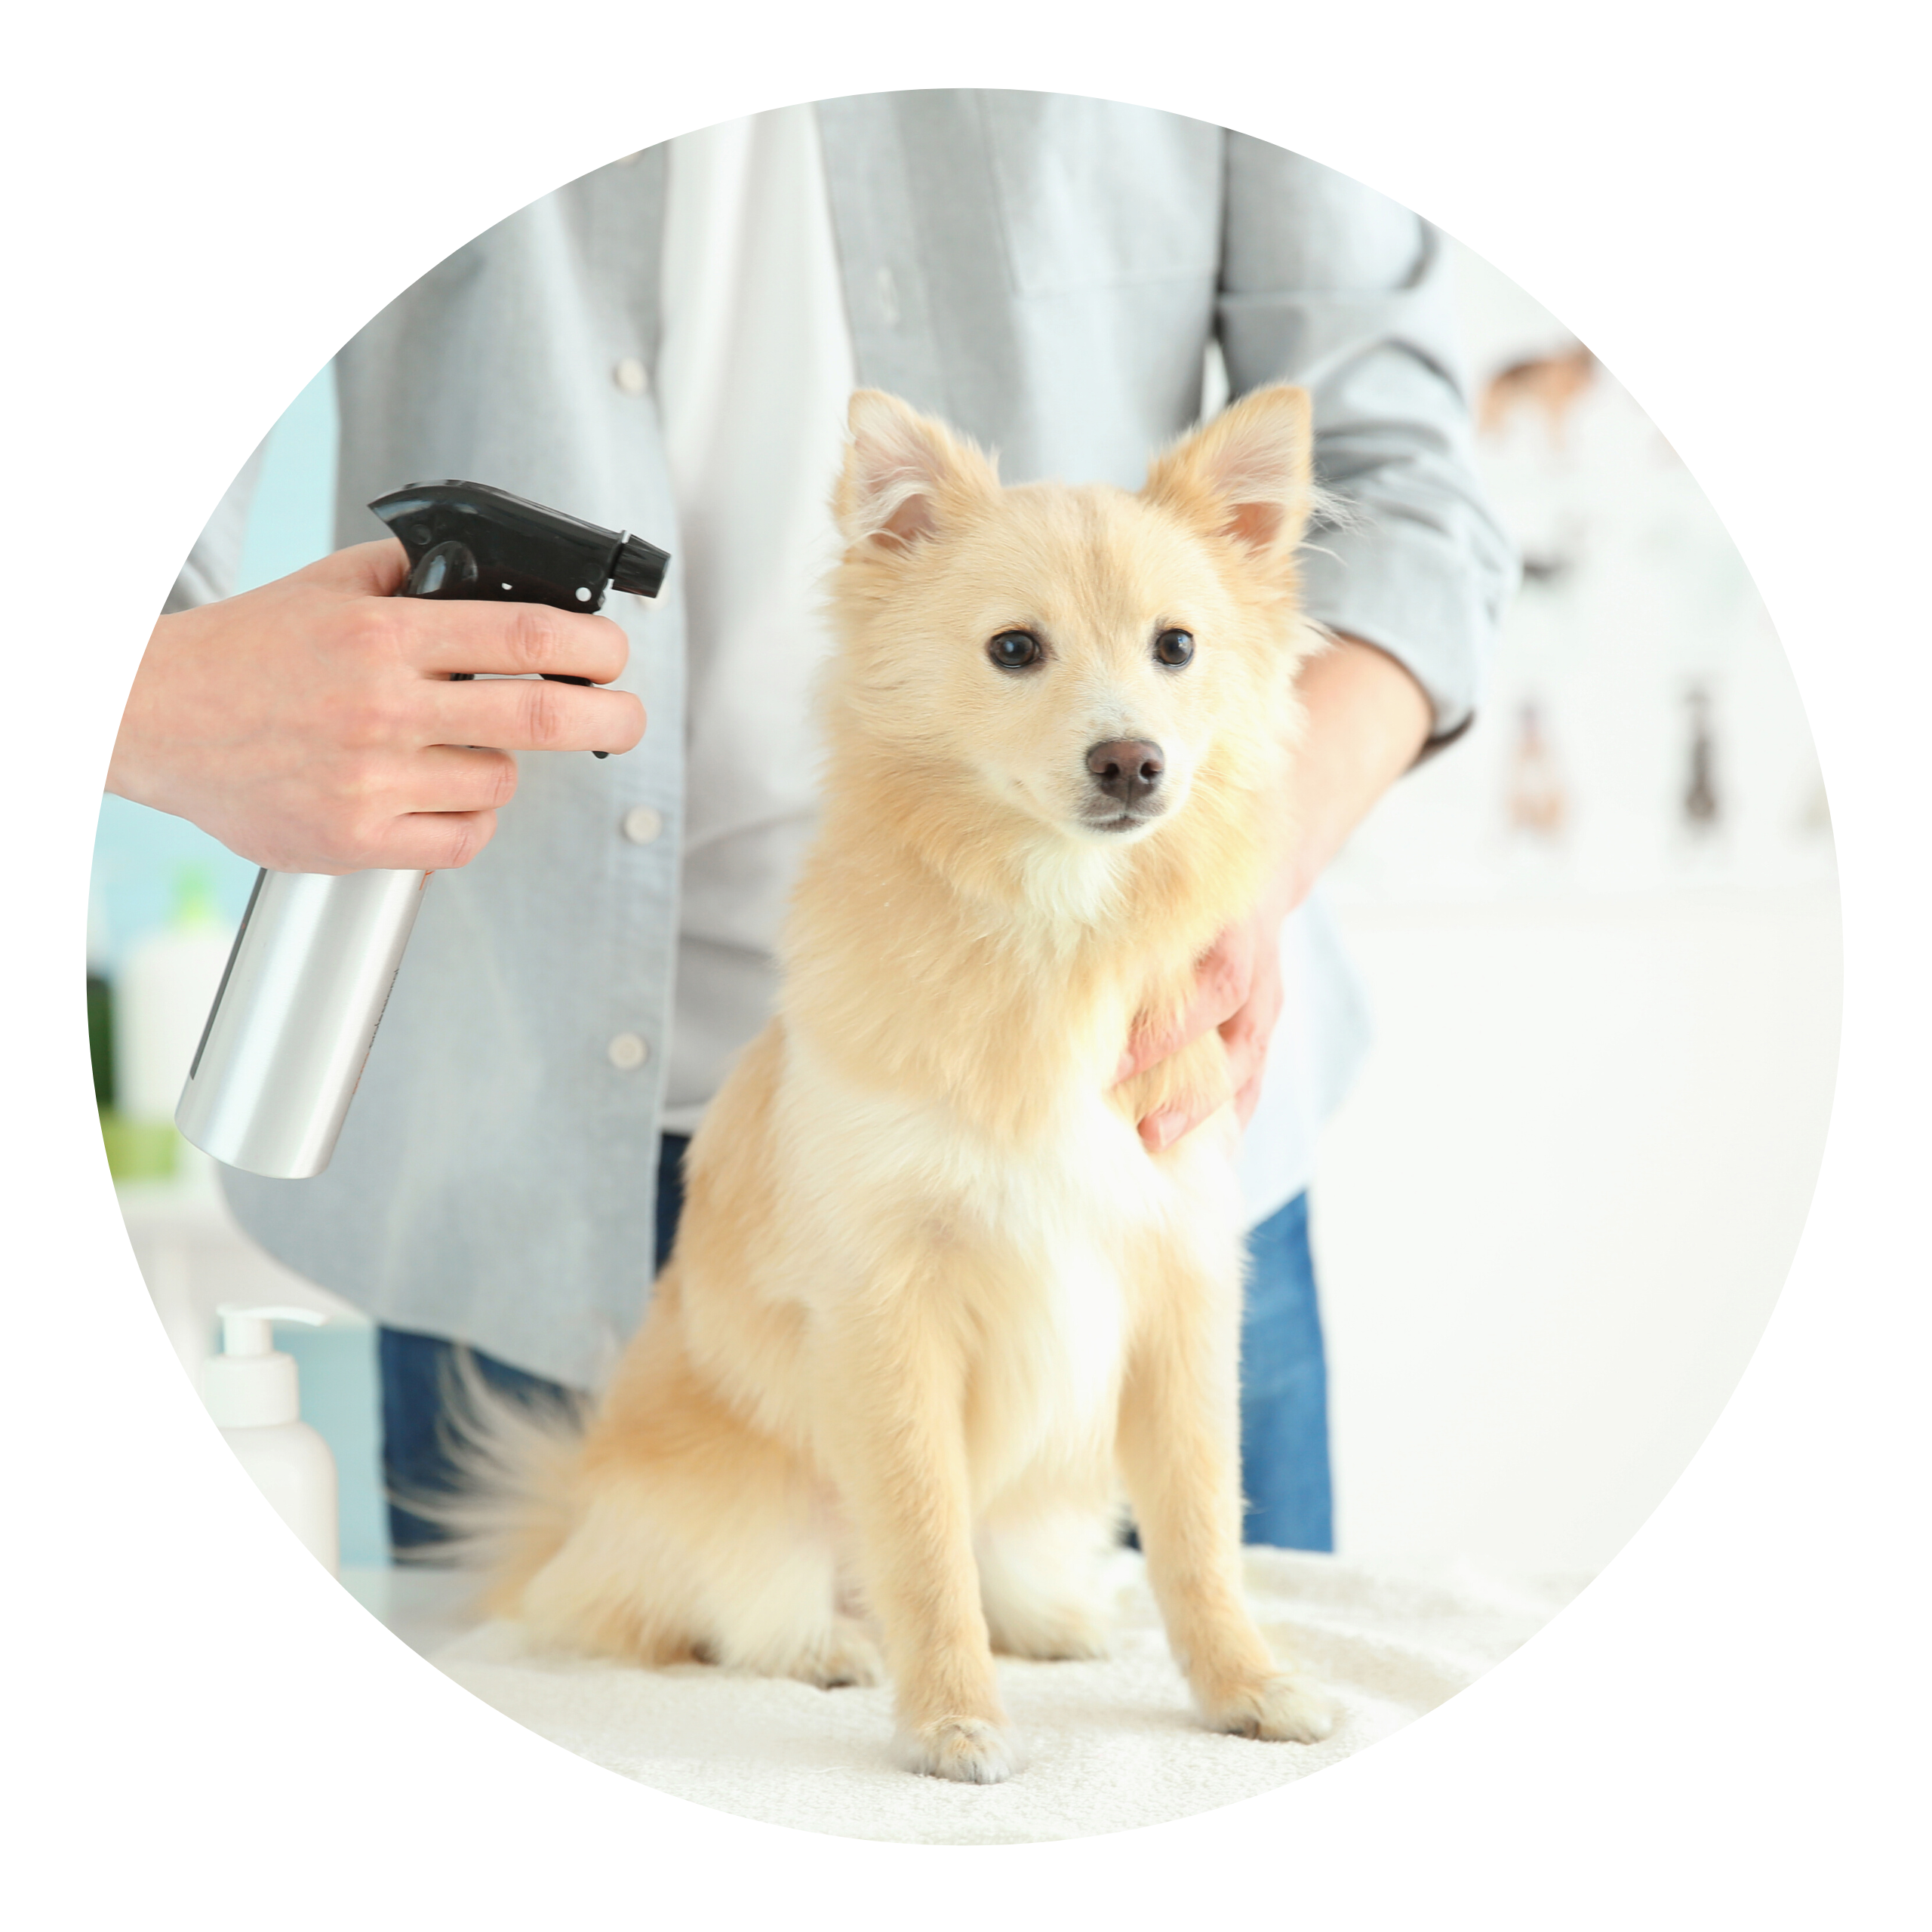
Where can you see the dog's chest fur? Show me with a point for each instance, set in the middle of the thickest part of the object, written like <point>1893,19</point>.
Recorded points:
<point>1033,1246</point>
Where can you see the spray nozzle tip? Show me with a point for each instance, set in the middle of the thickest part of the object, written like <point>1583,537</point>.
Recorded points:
<point>639,567</point>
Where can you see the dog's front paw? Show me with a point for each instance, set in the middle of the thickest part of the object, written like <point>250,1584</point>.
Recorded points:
<point>1282,1707</point>
<point>968,1750</point>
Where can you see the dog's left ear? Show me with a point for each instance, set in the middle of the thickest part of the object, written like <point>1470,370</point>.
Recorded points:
<point>1248,474</point>
<point>907,477</point>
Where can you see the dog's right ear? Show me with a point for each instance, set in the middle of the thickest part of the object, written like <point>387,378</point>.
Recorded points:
<point>907,477</point>
<point>1247,475</point>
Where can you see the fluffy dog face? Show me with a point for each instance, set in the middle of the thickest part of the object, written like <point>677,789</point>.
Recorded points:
<point>1078,656</point>
<point>1080,662</point>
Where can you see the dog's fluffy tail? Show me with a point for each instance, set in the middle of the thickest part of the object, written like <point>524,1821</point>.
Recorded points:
<point>515,1461</point>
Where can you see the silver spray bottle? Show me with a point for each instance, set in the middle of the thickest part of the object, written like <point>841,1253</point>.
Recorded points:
<point>298,1006</point>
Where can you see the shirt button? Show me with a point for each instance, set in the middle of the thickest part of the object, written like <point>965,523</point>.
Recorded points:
<point>628,1052</point>
<point>628,376</point>
<point>642,825</point>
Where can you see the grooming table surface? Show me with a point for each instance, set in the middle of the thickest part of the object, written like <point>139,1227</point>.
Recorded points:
<point>1108,1745</point>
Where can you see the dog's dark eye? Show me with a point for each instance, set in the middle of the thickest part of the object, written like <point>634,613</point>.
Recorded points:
<point>1014,651</point>
<point>1173,648</point>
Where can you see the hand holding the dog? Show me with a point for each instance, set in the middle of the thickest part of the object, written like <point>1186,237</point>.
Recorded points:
<point>313,725</point>
<point>1238,991</point>
<point>1367,719</point>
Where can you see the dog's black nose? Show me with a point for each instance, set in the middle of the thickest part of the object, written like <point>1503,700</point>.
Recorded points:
<point>1128,769</point>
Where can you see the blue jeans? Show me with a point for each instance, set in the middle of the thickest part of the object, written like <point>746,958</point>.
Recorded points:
<point>1283,1386</point>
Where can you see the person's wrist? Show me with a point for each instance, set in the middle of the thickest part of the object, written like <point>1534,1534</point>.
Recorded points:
<point>140,767</point>
<point>1368,718</point>
<point>129,765</point>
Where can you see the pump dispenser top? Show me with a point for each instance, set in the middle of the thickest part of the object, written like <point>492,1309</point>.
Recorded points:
<point>251,1384</point>
<point>252,1391</point>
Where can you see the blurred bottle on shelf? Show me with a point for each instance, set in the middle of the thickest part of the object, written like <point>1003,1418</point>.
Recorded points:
<point>159,1002</point>
<point>100,1002</point>
<point>1547,386</point>
<point>1538,803</point>
<point>1702,805</point>
<point>1540,479</point>
<point>1814,813</point>
<point>253,1392</point>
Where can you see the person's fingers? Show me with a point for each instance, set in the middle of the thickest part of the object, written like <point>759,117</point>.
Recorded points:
<point>438,841</point>
<point>1220,989</point>
<point>1248,1054</point>
<point>1239,992</point>
<point>1248,1097</point>
<point>527,715</point>
<point>1248,1033</point>
<point>405,842</point>
<point>509,640</point>
<point>1148,1048</point>
<point>457,778</point>
<point>434,809</point>
<point>438,636</point>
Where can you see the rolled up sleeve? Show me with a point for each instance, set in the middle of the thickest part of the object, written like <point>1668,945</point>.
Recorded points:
<point>1327,284</point>
<point>214,564</point>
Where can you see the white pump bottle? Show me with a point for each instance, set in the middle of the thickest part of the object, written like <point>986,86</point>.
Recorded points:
<point>252,1391</point>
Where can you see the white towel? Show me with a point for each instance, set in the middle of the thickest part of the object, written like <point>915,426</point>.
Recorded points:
<point>1108,1745</point>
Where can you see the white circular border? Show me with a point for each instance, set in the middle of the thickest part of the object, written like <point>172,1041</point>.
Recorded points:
<point>1855,899</point>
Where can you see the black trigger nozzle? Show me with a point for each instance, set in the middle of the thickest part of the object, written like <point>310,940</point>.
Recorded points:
<point>639,567</point>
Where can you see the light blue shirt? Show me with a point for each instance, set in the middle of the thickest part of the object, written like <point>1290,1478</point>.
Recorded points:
<point>1044,271</point>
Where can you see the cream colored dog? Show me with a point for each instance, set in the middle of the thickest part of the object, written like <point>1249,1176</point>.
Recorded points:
<point>932,1301</point>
